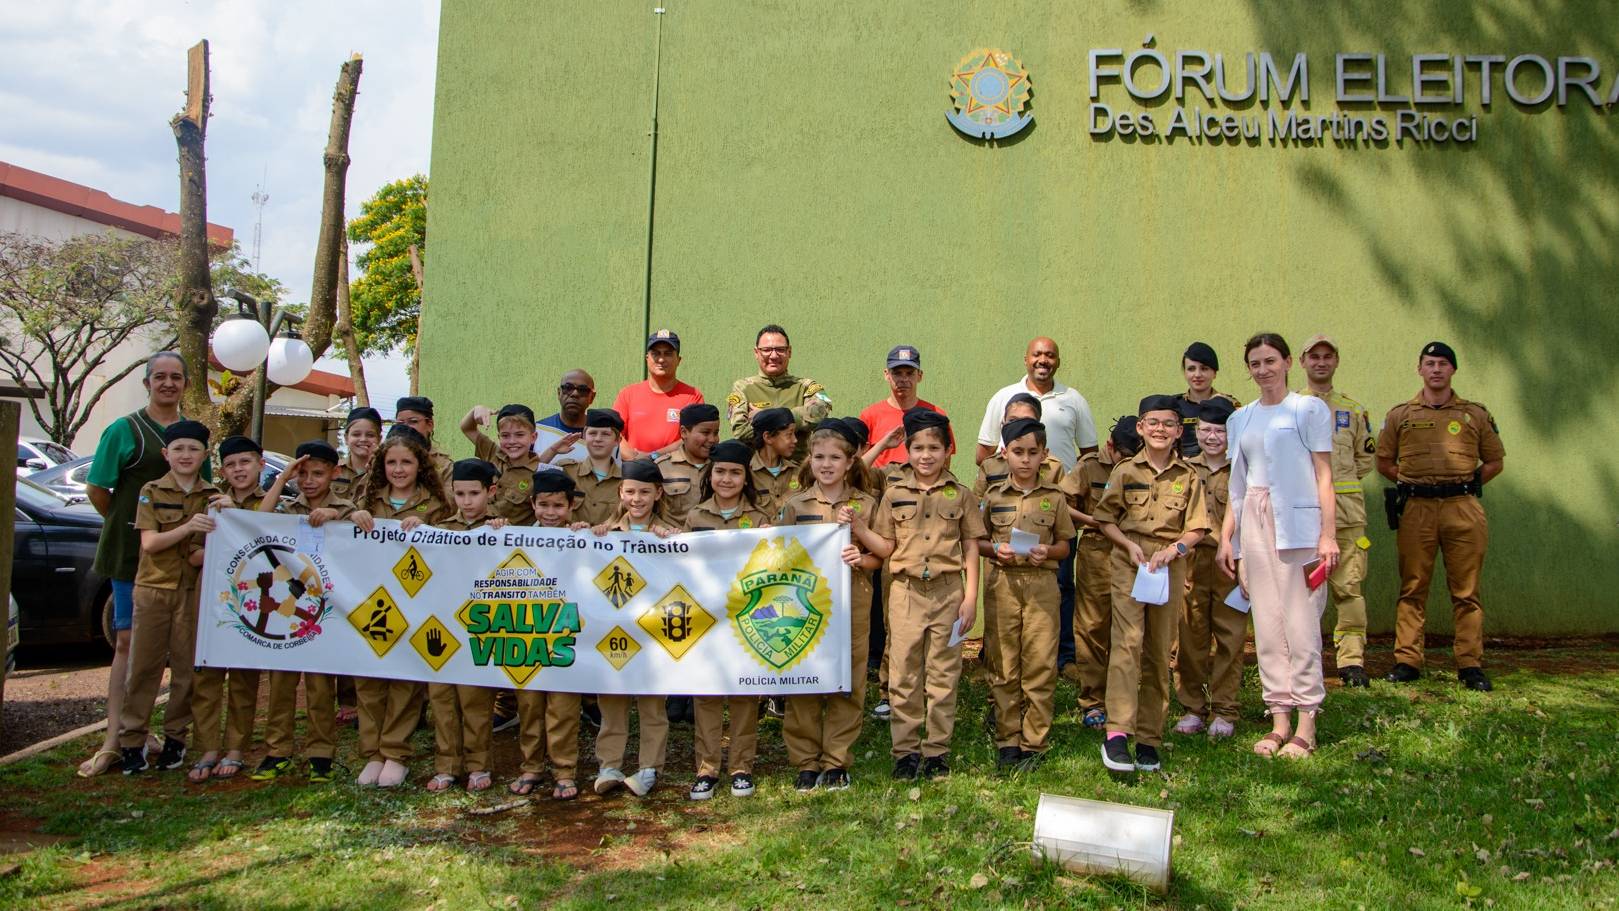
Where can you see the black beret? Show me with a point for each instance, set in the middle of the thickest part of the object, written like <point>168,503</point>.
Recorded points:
<point>771,420</point>
<point>236,445</point>
<point>841,427</point>
<point>1158,403</point>
<point>1201,353</point>
<point>1124,436</point>
<point>478,470</point>
<point>919,418</point>
<point>549,480</point>
<point>1215,410</point>
<point>364,413</point>
<point>420,404</point>
<point>186,430</point>
<point>860,430</point>
<point>735,452</point>
<point>407,432</point>
<point>699,413</point>
<point>1023,398</point>
<point>317,449</point>
<point>1439,349</point>
<point>604,417</point>
<point>1012,430</point>
<point>642,470</point>
<point>514,411</point>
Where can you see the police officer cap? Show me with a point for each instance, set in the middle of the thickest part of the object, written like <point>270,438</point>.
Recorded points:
<point>642,470</point>
<point>1023,398</point>
<point>840,427</point>
<point>236,445</point>
<point>904,356</point>
<point>514,410</point>
<point>478,470</point>
<point>918,419</point>
<point>860,430</point>
<point>364,413</point>
<point>407,432</point>
<point>1201,353</point>
<point>702,413</point>
<point>771,420</point>
<point>735,452</point>
<point>1124,436</point>
<point>319,450</point>
<point>186,430</point>
<point>1439,349</point>
<point>549,480</point>
<point>1021,427</point>
<point>1215,410</point>
<point>664,337</point>
<point>420,404</point>
<point>604,417</point>
<point>1157,403</point>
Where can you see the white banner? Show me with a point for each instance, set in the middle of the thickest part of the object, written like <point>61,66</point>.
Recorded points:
<point>757,611</point>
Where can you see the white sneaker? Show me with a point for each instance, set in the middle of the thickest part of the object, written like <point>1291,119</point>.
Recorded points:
<point>881,710</point>
<point>1221,728</point>
<point>608,780</point>
<point>642,782</point>
<point>1189,724</point>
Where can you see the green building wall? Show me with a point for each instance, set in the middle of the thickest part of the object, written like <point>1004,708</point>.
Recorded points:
<point>806,175</point>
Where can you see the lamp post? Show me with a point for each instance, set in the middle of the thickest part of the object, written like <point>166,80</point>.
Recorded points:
<point>250,341</point>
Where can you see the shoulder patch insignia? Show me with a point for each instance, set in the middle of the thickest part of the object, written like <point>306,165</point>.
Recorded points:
<point>1341,420</point>
<point>813,388</point>
<point>949,493</point>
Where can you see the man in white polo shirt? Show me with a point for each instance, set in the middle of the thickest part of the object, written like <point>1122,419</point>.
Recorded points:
<point>1070,432</point>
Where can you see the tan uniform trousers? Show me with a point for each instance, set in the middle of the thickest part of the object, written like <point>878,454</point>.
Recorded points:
<point>208,703</point>
<point>820,731</point>
<point>923,670</point>
<point>1138,654</point>
<point>1349,632</point>
<point>461,727</point>
<point>710,728</point>
<point>1212,637</point>
<point>164,633</point>
<point>1093,618</point>
<point>887,580</point>
<point>320,692</point>
<point>1456,526</point>
<point>389,712</point>
<point>614,735</point>
<point>1021,630</point>
<point>548,726</point>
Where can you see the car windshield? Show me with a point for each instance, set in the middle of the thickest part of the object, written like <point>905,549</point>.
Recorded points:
<point>34,496</point>
<point>56,453</point>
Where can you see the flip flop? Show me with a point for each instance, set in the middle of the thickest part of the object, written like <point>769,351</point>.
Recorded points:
<point>566,789</point>
<point>228,768</point>
<point>440,782</point>
<point>205,766</point>
<point>93,766</point>
<point>1274,740</point>
<point>478,781</point>
<point>1303,749</point>
<point>524,785</point>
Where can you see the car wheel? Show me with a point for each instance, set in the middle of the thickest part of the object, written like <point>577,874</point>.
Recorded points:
<point>107,635</point>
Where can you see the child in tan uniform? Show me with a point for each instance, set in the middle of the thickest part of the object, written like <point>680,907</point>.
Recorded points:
<point>599,475</point>
<point>994,469</point>
<point>774,475</point>
<point>682,467</point>
<point>512,455</point>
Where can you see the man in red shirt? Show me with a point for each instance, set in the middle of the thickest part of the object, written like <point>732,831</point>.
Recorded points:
<point>882,419</point>
<point>651,408</point>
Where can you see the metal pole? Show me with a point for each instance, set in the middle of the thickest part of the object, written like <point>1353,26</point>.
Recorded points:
<point>261,389</point>
<point>652,183</point>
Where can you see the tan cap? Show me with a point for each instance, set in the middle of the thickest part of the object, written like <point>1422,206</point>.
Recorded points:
<point>1319,339</point>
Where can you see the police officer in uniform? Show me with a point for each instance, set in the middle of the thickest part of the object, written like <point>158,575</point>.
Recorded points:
<point>774,387</point>
<point>1200,365</point>
<point>1440,450</point>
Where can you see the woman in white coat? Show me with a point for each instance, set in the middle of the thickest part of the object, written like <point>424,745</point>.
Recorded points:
<point>1280,523</point>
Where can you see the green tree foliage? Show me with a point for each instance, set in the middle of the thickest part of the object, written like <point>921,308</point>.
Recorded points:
<point>385,299</point>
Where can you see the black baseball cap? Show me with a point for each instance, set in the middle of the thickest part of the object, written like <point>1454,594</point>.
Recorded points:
<point>664,337</point>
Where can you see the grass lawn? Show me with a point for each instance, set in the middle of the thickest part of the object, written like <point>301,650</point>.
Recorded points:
<point>1420,797</point>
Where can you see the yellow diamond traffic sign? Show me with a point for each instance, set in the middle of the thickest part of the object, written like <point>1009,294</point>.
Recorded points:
<point>433,641</point>
<point>618,647</point>
<point>620,582</point>
<point>676,622</point>
<point>379,621</point>
<point>412,571</point>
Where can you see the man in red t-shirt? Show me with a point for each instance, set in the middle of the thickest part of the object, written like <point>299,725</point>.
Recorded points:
<point>651,408</point>
<point>904,374</point>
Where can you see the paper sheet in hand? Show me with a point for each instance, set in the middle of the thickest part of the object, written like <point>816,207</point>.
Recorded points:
<point>1236,601</point>
<point>1151,587</point>
<point>957,634</point>
<point>1023,541</point>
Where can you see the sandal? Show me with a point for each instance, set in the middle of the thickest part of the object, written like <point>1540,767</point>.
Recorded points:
<point>228,768</point>
<point>347,714</point>
<point>524,784</point>
<point>1301,749</point>
<point>203,766</point>
<point>1269,744</point>
<point>93,766</point>
<point>478,781</point>
<point>440,782</point>
<point>566,789</point>
<point>1094,718</point>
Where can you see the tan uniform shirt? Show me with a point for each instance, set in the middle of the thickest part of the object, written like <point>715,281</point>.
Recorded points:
<point>165,505</point>
<point>995,469</point>
<point>348,483</point>
<point>247,499</point>
<point>513,499</point>
<point>1083,486</point>
<point>928,526</point>
<point>1161,505</point>
<point>300,506</point>
<point>1216,495</point>
<point>804,397</point>
<point>774,489</point>
<point>459,522</point>
<point>706,516</point>
<point>443,464</point>
<point>1354,455</point>
<point>421,503</point>
<point>1042,511</point>
<point>598,500</point>
<point>809,506</point>
<point>1439,445</point>
<point>682,483</point>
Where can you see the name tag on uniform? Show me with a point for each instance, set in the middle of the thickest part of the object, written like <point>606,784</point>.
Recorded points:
<point>1418,425</point>
<point>806,518</point>
<point>1342,419</point>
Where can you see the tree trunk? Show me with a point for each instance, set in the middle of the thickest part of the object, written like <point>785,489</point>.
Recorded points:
<point>345,325</point>
<point>195,295</point>
<point>416,352</point>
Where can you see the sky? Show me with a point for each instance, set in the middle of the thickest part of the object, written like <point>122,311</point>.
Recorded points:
<point>87,89</point>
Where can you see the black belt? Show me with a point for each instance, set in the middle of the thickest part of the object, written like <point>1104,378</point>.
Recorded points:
<point>1440,491</point>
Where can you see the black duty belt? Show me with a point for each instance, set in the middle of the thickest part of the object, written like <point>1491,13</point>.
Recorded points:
<point>1440,491</point>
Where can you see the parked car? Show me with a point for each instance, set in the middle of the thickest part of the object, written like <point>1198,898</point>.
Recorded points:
<point>68,479</point>
<point>38,455</point>
<point>13,634</point>
<point>60,596</point>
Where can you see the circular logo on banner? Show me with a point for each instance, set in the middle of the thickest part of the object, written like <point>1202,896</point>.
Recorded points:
<point>989,90</point>
<point>277,596</point>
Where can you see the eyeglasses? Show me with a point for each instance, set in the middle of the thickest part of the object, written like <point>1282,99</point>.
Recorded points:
<point>573,389</point>
<point>782,350</point>
<point>1156,424</point>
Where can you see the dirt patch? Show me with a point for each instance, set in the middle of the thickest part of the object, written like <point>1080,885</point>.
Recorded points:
<point>51,698</point>
<point>20,834</point>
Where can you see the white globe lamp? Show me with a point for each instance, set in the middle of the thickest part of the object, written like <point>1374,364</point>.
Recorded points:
<point>290,361</point>
<point>240,345</point>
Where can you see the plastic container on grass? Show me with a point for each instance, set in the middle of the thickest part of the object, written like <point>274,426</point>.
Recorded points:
<point>1093,836</point>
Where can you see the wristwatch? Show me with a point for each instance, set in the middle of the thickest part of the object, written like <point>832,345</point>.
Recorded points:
<point>1180,548</point>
